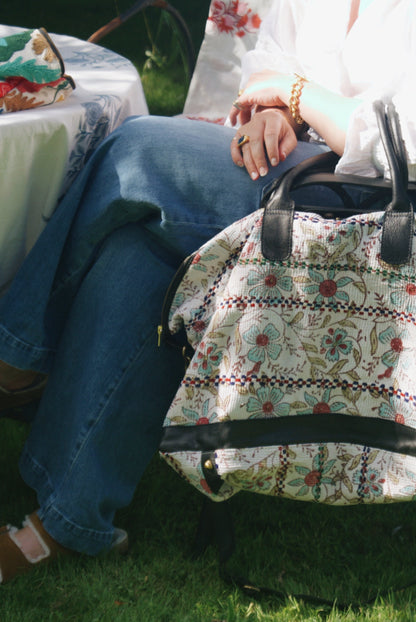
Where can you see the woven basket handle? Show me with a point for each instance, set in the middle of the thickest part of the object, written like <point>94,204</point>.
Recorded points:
<point>398,226</point>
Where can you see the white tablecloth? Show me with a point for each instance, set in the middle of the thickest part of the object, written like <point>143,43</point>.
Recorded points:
<point>43,149</point>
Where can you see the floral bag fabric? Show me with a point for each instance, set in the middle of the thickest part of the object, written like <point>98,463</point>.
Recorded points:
<point>32,72</point>
<point>302,338</point>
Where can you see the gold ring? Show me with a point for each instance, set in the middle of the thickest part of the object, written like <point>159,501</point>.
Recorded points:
<point>243,140</point>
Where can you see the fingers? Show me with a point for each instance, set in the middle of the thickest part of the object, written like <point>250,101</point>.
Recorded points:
<point>271,139</point>
<point>251,154</point>
<point>274,151</point>
<point>287,144</point>
<point>233,115</point>
<point>236,152</point>
<point>255,159</point>
<point>239,115</point>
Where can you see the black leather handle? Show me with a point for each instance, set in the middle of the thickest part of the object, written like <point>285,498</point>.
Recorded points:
<point>398,227</point>
<point>397,236</point>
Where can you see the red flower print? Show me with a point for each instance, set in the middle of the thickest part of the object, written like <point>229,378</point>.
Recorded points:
<point>321,408</point>
<point>234,17</point>
<point>270,280</point>
<point>202,421</point>
<point>328,288</point>
<point>199,326</point>
<point>312,478</point>
<point>268,408</point>
<point>262,340</point>
<point>396,344</point>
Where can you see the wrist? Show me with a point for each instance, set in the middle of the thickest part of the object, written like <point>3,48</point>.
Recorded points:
<point>294,99</point>
<point>280,83</point>
<point>299,129</point>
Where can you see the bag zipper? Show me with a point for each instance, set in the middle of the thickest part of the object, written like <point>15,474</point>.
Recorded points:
<point>163,331</point>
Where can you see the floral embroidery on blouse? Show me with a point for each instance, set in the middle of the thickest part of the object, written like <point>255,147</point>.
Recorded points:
<point>234,17</point>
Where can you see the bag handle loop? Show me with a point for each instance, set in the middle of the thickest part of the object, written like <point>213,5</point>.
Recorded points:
<point>398,226</point>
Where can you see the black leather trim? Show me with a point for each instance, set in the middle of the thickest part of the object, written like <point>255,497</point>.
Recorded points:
<point>297,429</point>
<point>277,226</point>
<point>277,233</point>
<point>398,227</point>
<point>397,236</point>
<point>212,478</point>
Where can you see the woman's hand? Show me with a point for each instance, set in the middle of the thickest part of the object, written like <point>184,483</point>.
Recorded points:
<point>271,139</point>
<point>327,112</point>
<point>263,89</point>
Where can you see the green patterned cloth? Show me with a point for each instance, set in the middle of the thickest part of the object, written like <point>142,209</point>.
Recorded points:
<point>32,72</point>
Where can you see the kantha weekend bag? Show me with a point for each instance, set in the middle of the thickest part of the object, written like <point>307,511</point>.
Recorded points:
<point>301,330</point>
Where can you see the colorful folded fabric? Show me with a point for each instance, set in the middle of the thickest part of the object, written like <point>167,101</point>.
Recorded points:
<point>32,71</point>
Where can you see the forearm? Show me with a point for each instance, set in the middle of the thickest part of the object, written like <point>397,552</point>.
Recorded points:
<point>326,112</point>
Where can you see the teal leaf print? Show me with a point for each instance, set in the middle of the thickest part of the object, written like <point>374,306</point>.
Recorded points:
<point>13,43</point>
<point>264,343</point>
<point>336,344</point>
<point>40,74</point>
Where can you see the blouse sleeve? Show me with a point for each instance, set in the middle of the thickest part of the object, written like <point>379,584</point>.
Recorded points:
<point>276,45</point>
<point>364,152</point>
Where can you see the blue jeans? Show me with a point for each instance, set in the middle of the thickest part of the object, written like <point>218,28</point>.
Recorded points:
<point>86,303</point>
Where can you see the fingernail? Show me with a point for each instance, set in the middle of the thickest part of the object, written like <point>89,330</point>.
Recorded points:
<point>240,164</point>
<point>254,176</point>
<point>283,156</point>
<point>274,162</point>
<point>263,171</point>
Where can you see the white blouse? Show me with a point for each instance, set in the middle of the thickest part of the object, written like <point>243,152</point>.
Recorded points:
<point>375,60</point>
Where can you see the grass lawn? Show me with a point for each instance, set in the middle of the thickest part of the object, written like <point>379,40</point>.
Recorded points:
<point>349,554</point>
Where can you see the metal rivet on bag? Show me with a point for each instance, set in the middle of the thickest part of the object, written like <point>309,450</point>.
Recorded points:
<point>208,465</point>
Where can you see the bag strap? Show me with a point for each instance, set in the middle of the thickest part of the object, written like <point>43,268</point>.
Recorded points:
<point>398,226</point>
<point>216,528</point>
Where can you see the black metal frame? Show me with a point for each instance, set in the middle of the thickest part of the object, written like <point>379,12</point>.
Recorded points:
<point>139,6</point>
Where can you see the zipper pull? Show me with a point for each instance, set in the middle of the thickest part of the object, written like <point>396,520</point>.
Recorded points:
<point>159,335</point>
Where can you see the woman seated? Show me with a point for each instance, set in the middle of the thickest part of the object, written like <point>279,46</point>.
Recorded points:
<point>84,307</point>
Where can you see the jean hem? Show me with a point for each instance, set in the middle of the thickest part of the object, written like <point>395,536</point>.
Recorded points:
<point>22,354</point>
<point>61,527</point>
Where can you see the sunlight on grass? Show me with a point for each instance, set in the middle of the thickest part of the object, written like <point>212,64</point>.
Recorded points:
<point>347,553</point>
<point>165,91</point>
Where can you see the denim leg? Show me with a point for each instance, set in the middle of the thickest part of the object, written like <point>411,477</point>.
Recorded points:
<point>85,306</point>
<point>100,419</point>
<point>175,176</point>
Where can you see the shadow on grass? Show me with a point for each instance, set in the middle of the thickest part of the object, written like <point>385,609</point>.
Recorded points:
<point>349,554</point>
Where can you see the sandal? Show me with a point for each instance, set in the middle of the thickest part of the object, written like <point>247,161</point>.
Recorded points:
<point>120,543</point>
<point>20,397</point>
<point>13,561</point>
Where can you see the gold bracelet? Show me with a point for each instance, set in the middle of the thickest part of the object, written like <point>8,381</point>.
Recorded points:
<point>295,98</point>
